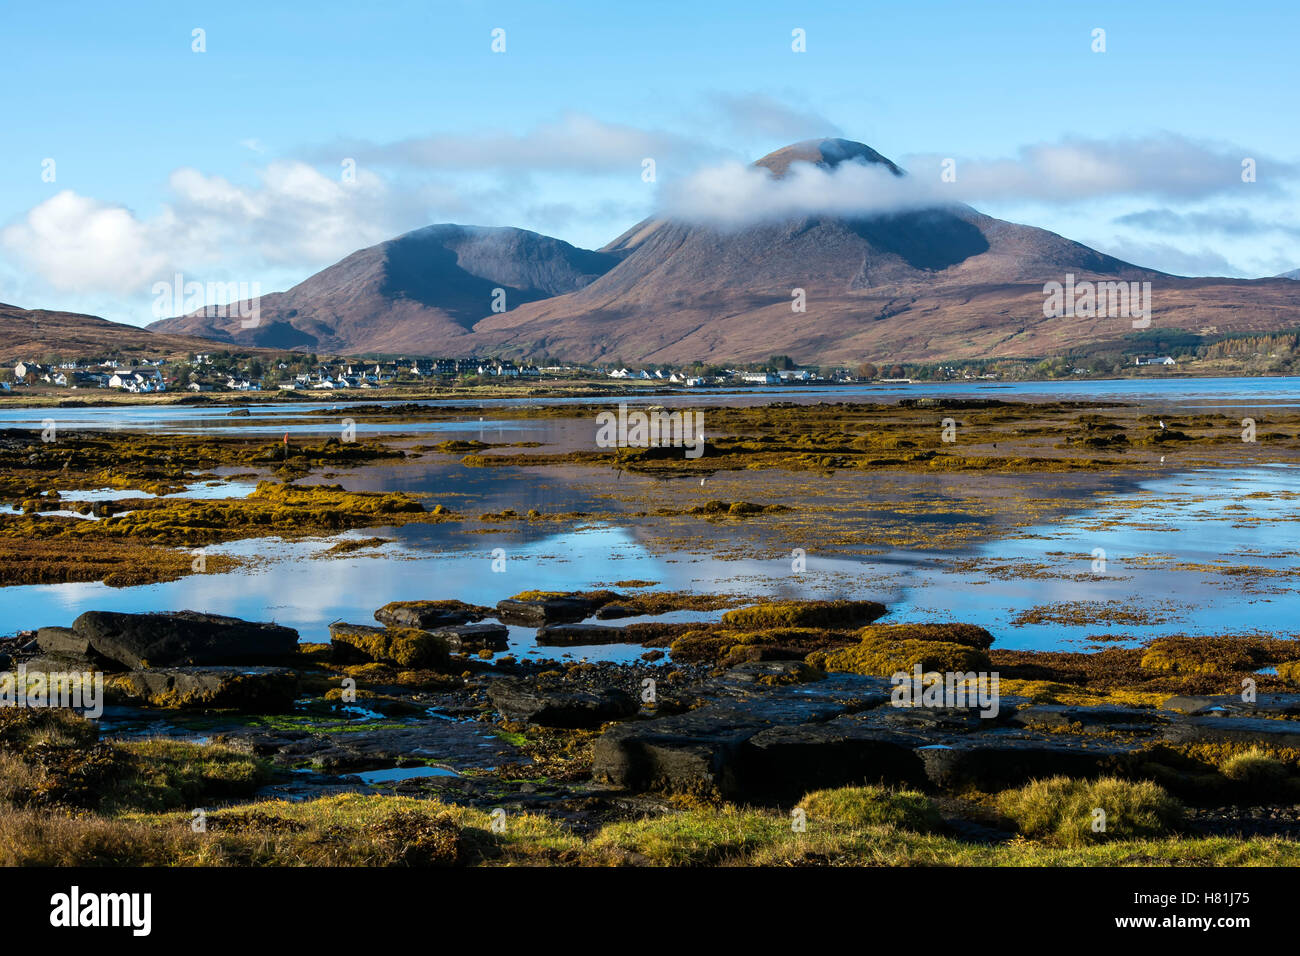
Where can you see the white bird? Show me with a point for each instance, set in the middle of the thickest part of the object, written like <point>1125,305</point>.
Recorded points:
<point>1162,426</point>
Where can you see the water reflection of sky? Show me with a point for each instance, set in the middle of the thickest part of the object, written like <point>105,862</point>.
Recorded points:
<point>1149,536</point>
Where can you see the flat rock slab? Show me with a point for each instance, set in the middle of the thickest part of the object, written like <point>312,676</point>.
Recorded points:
<point>948,719</point>
<point>580,635</point>
<point>140,641</point>
<point>539,612</point>
<point>263,689</point>
<point>1282,705</point>
<point>429,615</point>
<point>1247,730</point>
<point>66,644</point>
<point>785,762</point>
<point>462,744</point>
<point>1099,719</point>
<point>474,637</point>
<point>702,749</point>
<point>518,700</point>
<point>611,611</point>
<point>999,759</point>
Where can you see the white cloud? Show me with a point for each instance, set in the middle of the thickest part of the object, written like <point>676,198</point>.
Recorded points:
<point>1072,171</point>
<point>211,228</point>
<point>79,244</point>
<point>1162,165</point>
<point>576,142</point>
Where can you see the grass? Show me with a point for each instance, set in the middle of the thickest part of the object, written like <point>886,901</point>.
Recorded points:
<point>1071,812</point>
<point>852,826</point>
<point>873,806</point>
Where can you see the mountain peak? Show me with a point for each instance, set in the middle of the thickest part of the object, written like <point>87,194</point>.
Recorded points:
<point>826,153</point>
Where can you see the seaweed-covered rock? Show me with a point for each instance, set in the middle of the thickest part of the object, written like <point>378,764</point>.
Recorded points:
<point>182,638</point>
<point>833,614</point>
<point>400,646</point>
<point>262,689</point>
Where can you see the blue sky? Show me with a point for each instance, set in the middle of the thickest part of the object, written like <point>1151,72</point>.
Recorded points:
<point>226,165</point>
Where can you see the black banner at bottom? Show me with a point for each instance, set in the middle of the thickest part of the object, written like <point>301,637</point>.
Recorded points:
<point>338,905</point>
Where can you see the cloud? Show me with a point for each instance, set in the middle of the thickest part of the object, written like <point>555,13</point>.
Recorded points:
<point>574,143</point>
<point>733,194</point>
<point>1164,165</point>
<point>1071,171</point>
<point>79,244</point>
<point>1166,258</point>
<point>1230,222</point>
<point>757,114</point>
<point>294,214</point>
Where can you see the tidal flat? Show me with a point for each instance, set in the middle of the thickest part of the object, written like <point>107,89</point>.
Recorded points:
<point>632,655</point>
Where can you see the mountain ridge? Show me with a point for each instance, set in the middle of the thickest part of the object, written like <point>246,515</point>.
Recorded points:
<point>941,282</point>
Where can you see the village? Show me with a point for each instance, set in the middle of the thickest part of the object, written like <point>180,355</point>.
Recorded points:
<point>224,372</point>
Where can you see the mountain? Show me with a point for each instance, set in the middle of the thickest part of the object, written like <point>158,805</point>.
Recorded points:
<point>1293,274</point>
<point>942,283</point>
<point>419,293</point>
<point>33,334</point>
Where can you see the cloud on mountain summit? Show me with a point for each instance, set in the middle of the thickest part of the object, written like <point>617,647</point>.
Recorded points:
<point>1163,166</point>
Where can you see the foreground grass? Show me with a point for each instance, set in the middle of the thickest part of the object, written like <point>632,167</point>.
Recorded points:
<point>379,830</point>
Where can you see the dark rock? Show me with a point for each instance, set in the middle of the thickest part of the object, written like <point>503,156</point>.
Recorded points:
<point>574,635</point>
<point>695,751</point>
<point>538,612</point>
<point>182,638</point>
<point>473,637</point>
<point>259,689</point>
<point>1101,718</point>
<point>429,615</point>
<point>999,759</point>
<point>462,743</point>
<point>771,672</point>
<point>611,611</point>
<point>1280,704</point>
<point>518,700</point>
<point>785,762</point>
<point>701,750</point>
<point>967,719</point>
<point>66,644</point>
<point>1247,730</point>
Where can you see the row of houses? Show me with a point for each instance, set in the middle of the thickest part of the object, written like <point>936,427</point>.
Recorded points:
<point>729,376</point>
<point>146,378</point>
